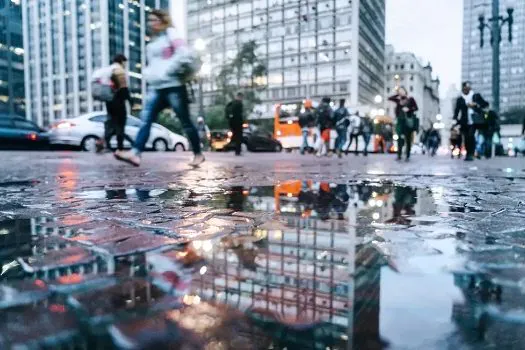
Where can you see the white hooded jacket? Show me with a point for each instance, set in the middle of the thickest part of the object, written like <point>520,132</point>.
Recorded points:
<point>169,59</point>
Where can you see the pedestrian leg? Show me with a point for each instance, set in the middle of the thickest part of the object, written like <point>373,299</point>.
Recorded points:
<point>120,126</point>
<point>356,145</point>
<point>178,100</point>
<point>408,141</point>
<point>400,144</point>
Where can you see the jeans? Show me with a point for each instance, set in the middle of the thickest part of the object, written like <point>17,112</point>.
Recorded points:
<point>341,139</point>
<point>305,145</point>
<point>158,100</point>
<point>366,139</point>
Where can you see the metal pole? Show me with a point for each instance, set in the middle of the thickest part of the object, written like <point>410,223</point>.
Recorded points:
<point>495,55</point>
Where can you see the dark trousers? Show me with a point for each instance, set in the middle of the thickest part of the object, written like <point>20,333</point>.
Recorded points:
<point>366,139</point>
<point>405,139</point>
<point>116,124</point>
<point>237,138</point>
<point>352,138</point>
<point>488,135</point>
<point>468,133</point>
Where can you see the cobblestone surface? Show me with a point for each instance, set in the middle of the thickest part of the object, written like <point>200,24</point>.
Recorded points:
<point>263,251</point>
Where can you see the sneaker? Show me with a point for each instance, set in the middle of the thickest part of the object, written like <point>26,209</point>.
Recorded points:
<point>128,157</point>
<point>197,160</point>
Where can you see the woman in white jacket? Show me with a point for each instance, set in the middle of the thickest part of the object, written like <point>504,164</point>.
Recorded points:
<point>169,61</point>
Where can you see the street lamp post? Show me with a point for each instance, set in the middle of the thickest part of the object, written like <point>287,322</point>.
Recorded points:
<point>496,23</point>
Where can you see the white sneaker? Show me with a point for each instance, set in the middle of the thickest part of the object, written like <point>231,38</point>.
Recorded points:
<point>197,160</point>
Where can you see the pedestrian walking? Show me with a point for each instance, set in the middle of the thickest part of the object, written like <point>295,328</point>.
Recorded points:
<point>117,114</point>
<point>306,122</point>
<point>204,133</point>
<point>341,122</point>
<point>469,115</point>
<point>171,63</point>
<point>367,128</point>
<point>324,115</point>
<point>433,141</point>
<point>406,122</point>
<point>235,117</point>
<point>355,131</point>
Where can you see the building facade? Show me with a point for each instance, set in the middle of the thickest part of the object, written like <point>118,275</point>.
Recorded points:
<point>477,61</point>
<point>12,99</point>
<point>66,40</point>
<point>311,48</point>
<point>405,69</point>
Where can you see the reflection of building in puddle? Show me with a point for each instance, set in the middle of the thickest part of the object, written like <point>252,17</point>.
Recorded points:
<point>308,272</point>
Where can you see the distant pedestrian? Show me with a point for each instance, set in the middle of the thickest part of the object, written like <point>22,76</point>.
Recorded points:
<point>455,143</point>
<point>306,122</point>
<point>355,131</point>
<point>367,128</point>
<point>117,113</point>
<point>433,141</point>
<point>171,63</point>
<point>324,115</point>
<point>406,122</point>
<point>235,117</point>
<point>204,133</point>
<point>341,122</point>
<point>469,115</point>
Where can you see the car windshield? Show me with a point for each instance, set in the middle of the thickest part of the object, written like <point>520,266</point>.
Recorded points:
<point>99,118</point>
<point>26,125</point>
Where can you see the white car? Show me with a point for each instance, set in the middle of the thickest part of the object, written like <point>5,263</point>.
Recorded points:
<point>86,130</point>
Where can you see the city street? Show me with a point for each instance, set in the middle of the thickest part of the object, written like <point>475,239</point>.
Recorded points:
<point>263,250</point>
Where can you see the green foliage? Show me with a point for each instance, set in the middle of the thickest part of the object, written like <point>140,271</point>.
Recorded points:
<point>170,121</point>
<point>244,73</point>
<point>215,118</point>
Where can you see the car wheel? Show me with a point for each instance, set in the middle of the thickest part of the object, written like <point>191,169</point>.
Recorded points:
<point>89,144</point>
<point>278,148</point>
<point>159,145</point>
<point>179,147</point>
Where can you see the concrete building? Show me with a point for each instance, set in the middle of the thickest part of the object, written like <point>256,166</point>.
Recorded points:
<point>311,48</point>
<point>65,40</point>
<point>11,59</point>
<point>405,69</point>
<point>477,62</point>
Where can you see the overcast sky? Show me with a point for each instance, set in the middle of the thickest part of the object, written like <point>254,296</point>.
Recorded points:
<point>432,29</point>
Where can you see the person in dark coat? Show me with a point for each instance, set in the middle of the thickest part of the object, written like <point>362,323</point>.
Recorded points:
<point>235,116</point>
<point>406,107</point>
<point>467,106</point>
<point>306,121</point>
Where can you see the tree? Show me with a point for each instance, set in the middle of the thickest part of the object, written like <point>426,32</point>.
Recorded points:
<point>246,73</point>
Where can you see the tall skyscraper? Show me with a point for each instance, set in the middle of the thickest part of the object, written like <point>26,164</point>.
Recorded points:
<point>11,59</point>
<point>312,48</point>
<point>66,40</point>
<point>477,62</point>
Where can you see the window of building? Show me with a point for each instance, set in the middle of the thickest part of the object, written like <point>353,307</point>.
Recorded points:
<point>402,66</point>
<point>411,88</point>
<point>388,67</point>
<point>387,90</point>
<point>412,66</point>
<point>412,77</point>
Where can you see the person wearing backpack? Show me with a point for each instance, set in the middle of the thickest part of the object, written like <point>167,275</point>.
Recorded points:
<point>171,64</point>
<point>235,116</point>
<point>116,108</point>
<point>341,126</point>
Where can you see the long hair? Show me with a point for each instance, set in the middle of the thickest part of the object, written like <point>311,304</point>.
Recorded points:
<point>163,16</point>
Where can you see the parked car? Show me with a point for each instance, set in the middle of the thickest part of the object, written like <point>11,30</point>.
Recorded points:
<point>19,133</point>
<point>256,140</point>
<point>86,130</point>
<point>219,139</point>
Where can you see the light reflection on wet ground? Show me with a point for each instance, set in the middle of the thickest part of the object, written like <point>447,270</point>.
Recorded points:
<point>302,264</point>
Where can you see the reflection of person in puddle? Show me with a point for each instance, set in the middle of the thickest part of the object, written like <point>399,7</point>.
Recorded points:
<point>404,200</point>
<point>340,203</point>
<point>236,198</point>
<point>323,205</point>
<point>116,194</point>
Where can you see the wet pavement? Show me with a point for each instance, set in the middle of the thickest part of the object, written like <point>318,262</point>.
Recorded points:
<point>262,252</point>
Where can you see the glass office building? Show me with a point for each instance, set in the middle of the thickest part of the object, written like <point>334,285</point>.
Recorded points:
<point>11,59</point>
<point>312,48</point>
<point>66,40</point>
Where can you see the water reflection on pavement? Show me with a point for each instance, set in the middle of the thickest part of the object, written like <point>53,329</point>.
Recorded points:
<point>298,265</point>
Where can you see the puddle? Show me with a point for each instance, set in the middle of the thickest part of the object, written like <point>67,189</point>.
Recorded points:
<point>311,265</point>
